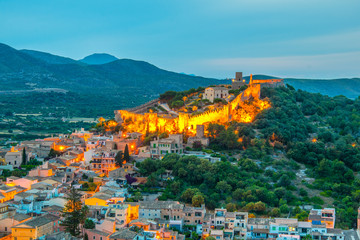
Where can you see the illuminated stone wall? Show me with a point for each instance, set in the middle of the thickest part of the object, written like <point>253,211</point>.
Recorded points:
<point>243,108</point>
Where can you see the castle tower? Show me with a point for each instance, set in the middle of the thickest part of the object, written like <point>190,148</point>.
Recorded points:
<point>200,131</point>
<point>251,80</point>
<point>238,81</point>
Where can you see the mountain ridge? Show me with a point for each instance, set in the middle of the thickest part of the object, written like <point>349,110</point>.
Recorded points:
<point>98,58</point>
<point>29,69</point>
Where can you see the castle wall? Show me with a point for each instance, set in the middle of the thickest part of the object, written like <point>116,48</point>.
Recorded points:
<point>236,110</point>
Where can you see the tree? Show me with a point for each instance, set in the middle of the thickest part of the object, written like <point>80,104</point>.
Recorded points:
<point>119,159</point>
<point>148,166</point>
<point>126,153</point>
<point>130,179</point>
<point>89,224</point>
<point>259,207</point>
<point>210,238</point>
<point>223,187</point>
<point>188,194</point>
<point>275,212</point>
<point>74,213</point>
<point>197,145</point>
<point>284,208</point>
<point>303,216</point>
<point>197,200</point>
<point>23,157</point>
<point>231,207</point>
<point>53,153</point>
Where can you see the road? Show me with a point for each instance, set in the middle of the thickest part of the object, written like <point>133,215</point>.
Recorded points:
<point>351,235</point>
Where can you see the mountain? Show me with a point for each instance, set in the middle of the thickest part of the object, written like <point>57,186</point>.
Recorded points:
<point>49,58</point>
<point>98,58</point>
<point>116,84</point>
<point>120,83</point>
<point>12,61</point>
<point>349,87</point>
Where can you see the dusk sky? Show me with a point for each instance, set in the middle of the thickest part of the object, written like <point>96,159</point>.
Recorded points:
<point>212,38</point>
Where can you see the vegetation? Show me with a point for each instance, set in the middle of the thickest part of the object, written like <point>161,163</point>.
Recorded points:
<point>304,150</point>
<point>74,213</point>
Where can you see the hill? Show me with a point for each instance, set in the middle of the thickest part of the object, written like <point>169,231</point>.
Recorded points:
<point>49,58</point>
<point>349,87</point>
<point>302,151</point>
<point>98,58</point>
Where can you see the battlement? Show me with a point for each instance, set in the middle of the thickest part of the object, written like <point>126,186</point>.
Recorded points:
<point>241,109</point>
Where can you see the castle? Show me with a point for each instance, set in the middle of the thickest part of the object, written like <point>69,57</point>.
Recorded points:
<point>243,108</point>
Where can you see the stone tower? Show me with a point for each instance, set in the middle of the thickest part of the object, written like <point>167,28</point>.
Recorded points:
<point>200,130</point>
<point>238,81</point>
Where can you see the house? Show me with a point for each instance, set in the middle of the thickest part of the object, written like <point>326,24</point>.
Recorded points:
<point>41,171</point>
<point>7,193</point>
<point>124,234</point>
<point>118,212</point>
<point>7,223</point>
<point>326,215</point>
<point>173,144</point>
<point>99,199</point>
<point>35,228</point>
<point>5,211</point>
<point>103,162</point>
<point>212,93</point>
<point>54,210</point>
<point>25,182</point>
<point>14,157</point>
<point>102,231</point>
<point>258,228</point>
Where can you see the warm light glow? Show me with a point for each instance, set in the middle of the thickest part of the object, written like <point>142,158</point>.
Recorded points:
<point>314,140</point>
<point>354,144</point>
<point>13,149</point>
<point>243,108</point>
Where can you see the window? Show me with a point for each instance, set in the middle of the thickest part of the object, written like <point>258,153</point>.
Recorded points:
<point>94,237</point>
<point>100,238</point>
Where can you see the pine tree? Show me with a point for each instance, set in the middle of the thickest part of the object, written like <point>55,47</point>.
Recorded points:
<point>126,153</point>
<point>119,158</point>
<point>74,213</point>
<point>23,157</point>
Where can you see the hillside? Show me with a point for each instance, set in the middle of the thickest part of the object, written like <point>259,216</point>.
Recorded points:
<point>302,151</point>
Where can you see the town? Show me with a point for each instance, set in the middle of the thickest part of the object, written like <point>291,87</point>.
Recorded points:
<point>40,176</point>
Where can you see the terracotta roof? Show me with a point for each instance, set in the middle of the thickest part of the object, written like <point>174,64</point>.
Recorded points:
<point>38,221</point>
<point>123,234</point>
<point>20,217</point>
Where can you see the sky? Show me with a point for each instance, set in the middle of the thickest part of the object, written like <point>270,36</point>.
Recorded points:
<point>211,38</point>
